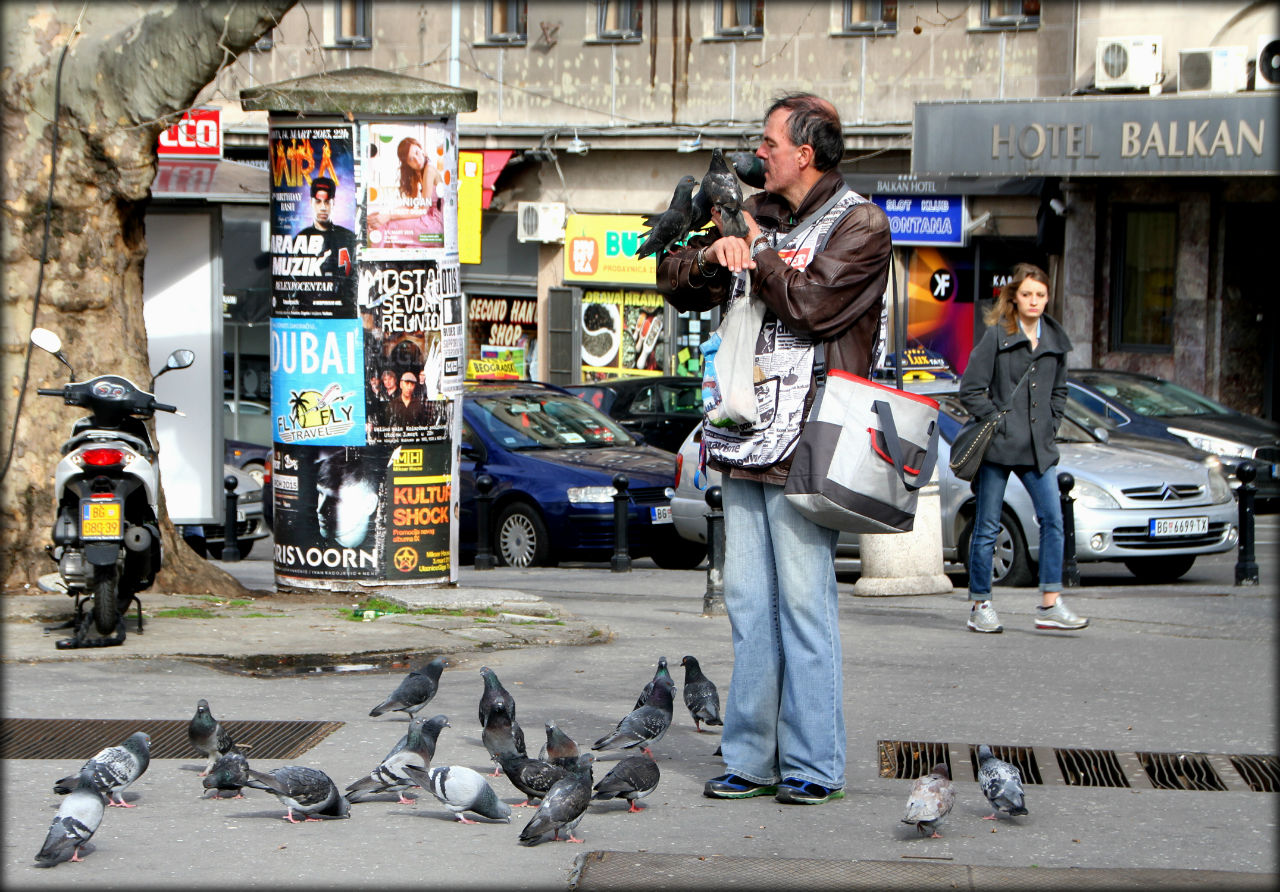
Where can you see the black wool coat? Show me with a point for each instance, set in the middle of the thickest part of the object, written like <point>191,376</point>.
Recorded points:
<point>1026,436</point>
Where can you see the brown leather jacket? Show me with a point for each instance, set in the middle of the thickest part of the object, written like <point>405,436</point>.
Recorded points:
<point>837,298</point>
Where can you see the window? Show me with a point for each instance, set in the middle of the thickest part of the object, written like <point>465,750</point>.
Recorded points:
<point>739,18</point>
<point>507,21</point>
<point>351,26</point>
<point>861,16</point>
<point>1142,279</point>
<point>619,19</point>
<point>1010,13</point>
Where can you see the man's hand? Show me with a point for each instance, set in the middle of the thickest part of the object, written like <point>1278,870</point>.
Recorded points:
<point>731,252</point>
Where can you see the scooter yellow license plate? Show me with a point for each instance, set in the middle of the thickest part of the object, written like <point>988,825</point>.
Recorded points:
<point>101,519</point>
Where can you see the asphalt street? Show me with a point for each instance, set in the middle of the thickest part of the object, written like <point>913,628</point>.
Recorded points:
<point>1183,668</point>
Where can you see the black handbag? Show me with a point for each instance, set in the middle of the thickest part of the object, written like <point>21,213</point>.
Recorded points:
<point>970,444</point>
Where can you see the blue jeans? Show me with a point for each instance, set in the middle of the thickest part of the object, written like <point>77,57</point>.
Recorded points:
<point>785,711</point>
<point>1043,489</point>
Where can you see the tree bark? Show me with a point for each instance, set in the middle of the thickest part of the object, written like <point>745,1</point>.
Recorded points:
<point>127,75</point>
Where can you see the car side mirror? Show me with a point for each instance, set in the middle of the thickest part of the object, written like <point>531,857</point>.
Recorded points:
<point>469,450</point>
<point>1102,434</point>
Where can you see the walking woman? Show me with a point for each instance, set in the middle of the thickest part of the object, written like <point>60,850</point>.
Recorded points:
<point>1020,363</point>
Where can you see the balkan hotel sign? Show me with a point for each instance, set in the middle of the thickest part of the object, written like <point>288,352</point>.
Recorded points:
<point>1220,134</point>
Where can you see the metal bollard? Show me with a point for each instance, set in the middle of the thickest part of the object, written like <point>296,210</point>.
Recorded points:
<point>713,600</point>
<point>1070,570</point>
<point>484,502</point>
<point>230,543</point>
<point>621,562</point>
<point>1246,566</point>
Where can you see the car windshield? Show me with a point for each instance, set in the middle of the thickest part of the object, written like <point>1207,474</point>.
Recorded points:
<point>1155,397</point>
<point>547,421</point>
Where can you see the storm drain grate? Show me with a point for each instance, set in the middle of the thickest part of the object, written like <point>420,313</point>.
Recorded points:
<point>1180,771</point>
<point>911,758</point>
<point>1090,768</point>
<point>1261,773</point>
<point>82,738</point>
<point>1020,756</point>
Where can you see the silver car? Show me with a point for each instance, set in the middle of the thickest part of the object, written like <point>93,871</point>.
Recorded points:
<point>250,525</point>
<point>1154,512</point>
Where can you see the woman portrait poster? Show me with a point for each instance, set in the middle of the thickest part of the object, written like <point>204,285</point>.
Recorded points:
<point>410,184</point>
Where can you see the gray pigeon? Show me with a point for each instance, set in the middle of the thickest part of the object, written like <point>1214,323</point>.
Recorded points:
<point>228,773</point>
<point>563,807</point>
<point>660,675</point>
<point>1001,783</point>
<point>461,789</point>
<point>672,225</point>
<point>560,748</point>
<point>208,736</point>
<point>931,798</point>
<point>635,777</point>
<point>502,734</point>
<point>532,777</point>
<point>642,726</point>
<point>309,790</point>
<point>700,695</point>
<point>749,168</point>
<point>114,768</point>
<point>77,819</point>
<point>416,748</point>
<point>723,192</point>
<point>414,692</point>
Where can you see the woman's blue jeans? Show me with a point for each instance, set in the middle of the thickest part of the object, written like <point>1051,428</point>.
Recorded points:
<point>1043,488</point>
<point>785,711</point>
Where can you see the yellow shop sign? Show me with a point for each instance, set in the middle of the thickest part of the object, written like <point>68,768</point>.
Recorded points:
<point>601,248</point>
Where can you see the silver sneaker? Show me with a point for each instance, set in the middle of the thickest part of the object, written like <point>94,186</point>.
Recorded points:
<point>1059,616</point>
<point>984,619</point>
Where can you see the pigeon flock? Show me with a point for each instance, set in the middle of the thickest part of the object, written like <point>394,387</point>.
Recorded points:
<point>560,783</point>
<point>690,213</point>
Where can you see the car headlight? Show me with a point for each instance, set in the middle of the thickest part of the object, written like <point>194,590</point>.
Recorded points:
<point>1091,495</point>
<point>1219,489</point>
<point>1216,445</point>
<point>580,495</point>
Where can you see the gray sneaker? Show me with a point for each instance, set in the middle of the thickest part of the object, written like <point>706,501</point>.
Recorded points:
<point>1059,616</point>
<point>984,619</point>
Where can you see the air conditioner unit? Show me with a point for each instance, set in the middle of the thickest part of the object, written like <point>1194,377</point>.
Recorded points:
<point>1220,69</point>
<point>539,221</point>
<point>1267,73</point>
<point>1128,63</point>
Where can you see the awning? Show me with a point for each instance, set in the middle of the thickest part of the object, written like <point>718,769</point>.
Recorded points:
<point>212,181</point>
<point>494,161</point>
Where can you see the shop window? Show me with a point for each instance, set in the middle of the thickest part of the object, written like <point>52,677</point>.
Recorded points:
<point>870,16</point>
<point>507,21</point>
<point>618,20</point>
<point>352,23</point>
<point>1010,13</point>
<point>739,18</point>
<point>1142,280</point>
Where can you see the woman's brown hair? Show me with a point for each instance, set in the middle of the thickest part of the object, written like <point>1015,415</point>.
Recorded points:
<point>410,179</point>
<point>1005,309</point>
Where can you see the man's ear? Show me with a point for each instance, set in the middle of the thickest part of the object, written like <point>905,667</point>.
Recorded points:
<point>804,155</point>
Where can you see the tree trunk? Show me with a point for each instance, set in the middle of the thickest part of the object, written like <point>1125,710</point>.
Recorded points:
<point>128,74</point>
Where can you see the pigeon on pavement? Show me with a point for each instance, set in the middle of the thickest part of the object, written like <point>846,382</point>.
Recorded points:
<point>660,675</point>
<point>77,819</point>
<point>414,692</point>
<point>560,748</point>
<point>461,789</point>
<point>532,777</point>
<point>722,189</point>
<point>563,807</point>
<point>931,798</point>
<point>114,768</point>
<point>1001,783</point>
<point>642,726</point>
<point>308,790</point>
<point>700,695</point>
<point>208,736</point>
<point>635,777</point>
<point>495,697</point>
<point>416,748</point>
<point>228,773</point>
<point>502,734</point>
<point>671,225</point>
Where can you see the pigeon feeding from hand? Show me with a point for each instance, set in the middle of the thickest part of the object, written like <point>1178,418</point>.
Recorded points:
<point>230,772</point>
<point>563,806</point>
<point>1001,783</point>
<point>208,736</point>
<point>723,192</point>
<point>660,675</point>
<point>931,798</point>
<point>749,168</point>
<point>114,768</point>
<point>414,692</point>
<point>642,726</point>
<point>309,790</point>
<point>635,777</point>
<point>416,749</point>
<point>700,695</point>
<point>672,225</point>
<point>77,819</point>
<point>462,789</point>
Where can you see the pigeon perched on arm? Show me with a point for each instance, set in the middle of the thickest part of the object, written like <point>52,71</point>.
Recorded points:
<point>414,692</point>
<point>723,192</point>
<point>642,726</point>
<point>502,734</point>
<point>672,225</point>
<point>1001,783</point>
<point>309,790</point>
<point>560,748</point>
<point>635,777</point>
<point>228,773</point>
<point>208,736</point>
<point>77,819</point>
<point>563,806</point>
<point>931,798</point>
<point>114,768</point>
<point>461,789</point>
<point>700,695</point>
<point>415,749</point>
<point>660,675</point>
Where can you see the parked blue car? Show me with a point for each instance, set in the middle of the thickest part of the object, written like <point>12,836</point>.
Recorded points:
<point>553,458</point>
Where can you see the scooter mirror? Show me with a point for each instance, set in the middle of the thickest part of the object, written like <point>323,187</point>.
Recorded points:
<point>46,340</point>
<point>180,359</point>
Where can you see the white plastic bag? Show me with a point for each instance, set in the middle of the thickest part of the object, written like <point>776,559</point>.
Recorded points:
<point>729,386</point>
